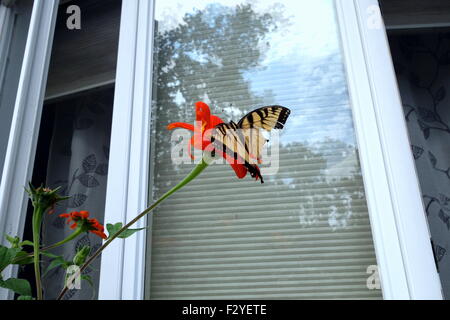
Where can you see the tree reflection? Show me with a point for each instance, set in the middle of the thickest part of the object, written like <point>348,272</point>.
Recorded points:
<point>223,43</point>
<point>318,190</point>
<point>216,43</point>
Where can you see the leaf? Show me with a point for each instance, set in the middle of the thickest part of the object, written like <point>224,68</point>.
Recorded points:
<point>427,115</point>
<point>14,241</point>
<point>440,95</point>
<point>88,181</point>
<point>432,158</point>
<point>59,261</point>
<point>19,286</point>
<point>445,218</point>
<point>88,279</point>
<point>440,252</point>
<point>77,200</point>
<point>54,264</point>
<point>113,229</point>
<point>7,256</point>
<point>82,242</point>
<point>23,258</point>
<point>90,163</point>
<point>50,255</point>
<point>26,243</point>
<point>102,169</point>
<point>417,152</point>
<point>25,298</point>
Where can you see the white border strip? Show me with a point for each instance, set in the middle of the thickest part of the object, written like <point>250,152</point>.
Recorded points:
<point>19,161</point>
<point>123,263</point>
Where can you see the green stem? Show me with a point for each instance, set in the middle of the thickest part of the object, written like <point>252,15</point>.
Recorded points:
<point>71,237</point>
<point>194,173</point>
<point>37,219</point>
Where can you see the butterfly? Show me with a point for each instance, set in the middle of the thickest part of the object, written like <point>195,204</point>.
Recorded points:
<point>243,142</point>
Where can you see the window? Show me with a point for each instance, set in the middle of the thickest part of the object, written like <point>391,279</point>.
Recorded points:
<point>75,132</point>
<point>14,23</point>
<point>306,232</point>
<point>420,48</point>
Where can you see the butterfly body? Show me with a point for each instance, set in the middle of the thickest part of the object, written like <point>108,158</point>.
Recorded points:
<point>243,142</point>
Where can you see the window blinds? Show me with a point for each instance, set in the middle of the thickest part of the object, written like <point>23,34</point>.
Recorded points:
<point>305,233</point>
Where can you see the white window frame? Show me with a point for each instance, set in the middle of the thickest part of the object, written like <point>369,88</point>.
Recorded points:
<point>19,159</point>
<point>122,271</point>
<point>400,231</point>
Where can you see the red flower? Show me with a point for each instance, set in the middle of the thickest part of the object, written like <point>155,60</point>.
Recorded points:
<point>96,228</point>
<point>81,220</point>
<point>206,121</point>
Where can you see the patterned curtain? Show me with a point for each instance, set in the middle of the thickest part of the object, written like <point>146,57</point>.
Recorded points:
<point>78,161</point>
<point>422,64</point>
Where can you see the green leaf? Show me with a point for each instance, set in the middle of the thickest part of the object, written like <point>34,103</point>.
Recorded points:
<point>7,256</point>
<point>50,255</point>
<point>58,262</point>
<point>23,258</point>
<point>19,286</point>
<point>14,241</point>
<point>24,298</point>
<point>113,229</point>
<point>88,279</point>
<point>26,243</point>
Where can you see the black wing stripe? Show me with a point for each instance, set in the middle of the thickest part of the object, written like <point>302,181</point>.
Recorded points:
<point>267,118</point>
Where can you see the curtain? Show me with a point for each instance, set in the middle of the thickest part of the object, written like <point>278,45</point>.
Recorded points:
<point>78,162</point>
<point>422,63</point>
<point>305,233</point>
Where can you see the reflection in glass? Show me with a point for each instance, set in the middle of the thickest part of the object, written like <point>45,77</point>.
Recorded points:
<point>305,233</point>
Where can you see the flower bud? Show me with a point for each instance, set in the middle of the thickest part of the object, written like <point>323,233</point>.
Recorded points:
<point>81,256</point>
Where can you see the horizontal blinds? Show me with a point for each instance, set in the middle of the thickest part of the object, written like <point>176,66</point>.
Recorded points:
<point>305,233</point>
<point>85,58</point>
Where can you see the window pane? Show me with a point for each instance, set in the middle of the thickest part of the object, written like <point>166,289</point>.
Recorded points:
<point>305,233</point>
<point>74,137</point>
<point>422,60</point>
<point>13,40</point>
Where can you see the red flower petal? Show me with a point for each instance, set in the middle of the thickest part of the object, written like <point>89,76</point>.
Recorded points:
<point>183,125</point>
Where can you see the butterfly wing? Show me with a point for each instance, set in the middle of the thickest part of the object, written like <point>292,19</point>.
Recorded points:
<point>243,143</point>
<point>265,118</point>
<point>232,145</point>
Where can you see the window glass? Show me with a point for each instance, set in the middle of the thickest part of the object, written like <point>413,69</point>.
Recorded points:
<point>305,233</point>
<point>74,136</point>
<point>14,33</point>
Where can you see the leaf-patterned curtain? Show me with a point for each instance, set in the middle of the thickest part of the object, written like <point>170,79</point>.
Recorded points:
<point>78,162</point>
<point>423,68</point>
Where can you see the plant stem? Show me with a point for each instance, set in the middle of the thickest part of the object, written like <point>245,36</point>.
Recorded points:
<point>194,173</point>
<point>71,237</point>
<point>37,219</point>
